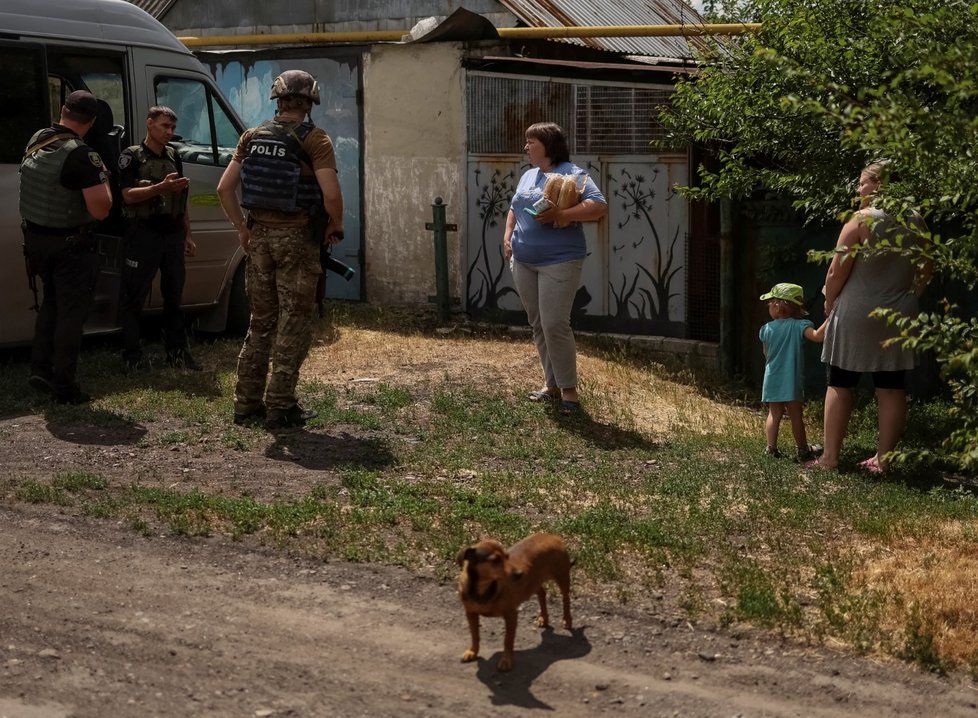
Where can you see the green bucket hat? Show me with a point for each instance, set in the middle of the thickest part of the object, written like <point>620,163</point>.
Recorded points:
<point>788,292</point>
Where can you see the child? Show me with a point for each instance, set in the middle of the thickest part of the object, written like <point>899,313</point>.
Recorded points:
<point>784,365</point>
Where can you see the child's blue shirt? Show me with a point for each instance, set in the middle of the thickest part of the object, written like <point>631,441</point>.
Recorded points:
<point>784,367</point>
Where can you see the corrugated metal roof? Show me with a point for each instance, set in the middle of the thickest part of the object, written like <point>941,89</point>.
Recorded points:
<point>583,13</point>
<point>156,8</point>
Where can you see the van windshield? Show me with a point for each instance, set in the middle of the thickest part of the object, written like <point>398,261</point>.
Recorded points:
<point>205,132</point>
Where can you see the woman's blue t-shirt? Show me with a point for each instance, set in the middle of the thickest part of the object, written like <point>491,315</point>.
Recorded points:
<point>536,243</point>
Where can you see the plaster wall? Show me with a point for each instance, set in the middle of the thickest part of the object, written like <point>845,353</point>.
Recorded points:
<point>414,151</point>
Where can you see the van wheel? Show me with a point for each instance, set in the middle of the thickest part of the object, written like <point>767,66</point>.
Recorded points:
<point>239,313</point>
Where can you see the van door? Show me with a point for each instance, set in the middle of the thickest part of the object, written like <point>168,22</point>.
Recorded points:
<point>205,140</point>
<point>23,85</point>
<point>103,73</point>
<point>36,80</point>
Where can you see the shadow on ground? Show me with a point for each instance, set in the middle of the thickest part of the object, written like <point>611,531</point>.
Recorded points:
<point>515,687</point>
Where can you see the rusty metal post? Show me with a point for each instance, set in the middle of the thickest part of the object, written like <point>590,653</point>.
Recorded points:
<point>441,229</point>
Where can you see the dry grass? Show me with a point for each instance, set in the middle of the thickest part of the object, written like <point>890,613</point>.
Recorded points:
<point>936,578</point>
<point>646,399</point>
<point>664,488</point>
<point>418,362</point>
<point>929,583</point>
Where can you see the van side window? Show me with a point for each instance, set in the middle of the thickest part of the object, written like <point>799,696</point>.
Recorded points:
<point>109,87</point>
<point>23,88</point>
<point>205,133</point>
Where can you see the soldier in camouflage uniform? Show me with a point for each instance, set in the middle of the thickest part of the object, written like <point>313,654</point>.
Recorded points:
<point>286,169</point>
<point>157,239</point>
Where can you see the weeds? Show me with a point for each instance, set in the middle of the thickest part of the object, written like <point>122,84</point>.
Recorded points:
<point>662,485</point>
<point>920,644</point>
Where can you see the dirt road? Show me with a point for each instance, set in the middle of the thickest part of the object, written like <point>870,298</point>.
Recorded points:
<point>96,620</point>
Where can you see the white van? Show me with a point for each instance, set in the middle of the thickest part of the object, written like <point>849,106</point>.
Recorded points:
<point>130,62</point>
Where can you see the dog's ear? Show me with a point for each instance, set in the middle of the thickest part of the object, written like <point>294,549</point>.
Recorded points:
<point>464,555</point>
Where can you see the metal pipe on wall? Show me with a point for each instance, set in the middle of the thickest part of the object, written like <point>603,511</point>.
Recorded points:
<point>504,32</point>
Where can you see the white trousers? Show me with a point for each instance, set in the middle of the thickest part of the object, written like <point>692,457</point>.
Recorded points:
<point>547,292</point>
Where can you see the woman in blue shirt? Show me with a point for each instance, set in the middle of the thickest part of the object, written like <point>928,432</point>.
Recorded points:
<point>547,261</point>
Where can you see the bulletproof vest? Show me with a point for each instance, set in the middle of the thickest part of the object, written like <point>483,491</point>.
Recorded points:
<point>43,199</point>
<point>151,170</point>
<point>270,173</point>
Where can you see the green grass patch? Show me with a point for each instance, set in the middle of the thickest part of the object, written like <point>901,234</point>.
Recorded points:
<point>418,472</point>
<point>34,492</point>
<point>76,481</point>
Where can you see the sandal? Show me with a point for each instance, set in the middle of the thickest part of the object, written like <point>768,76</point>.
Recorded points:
<point>809,452</point>
<point>817,464</point>
<point>542,395</point>
<point>569,407</point>
<point>872,465</point>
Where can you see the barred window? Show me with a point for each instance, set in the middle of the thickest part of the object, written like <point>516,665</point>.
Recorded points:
<point>597,118</point>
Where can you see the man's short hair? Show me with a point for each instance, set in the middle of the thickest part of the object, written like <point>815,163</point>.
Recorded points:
<point>157,111</point>
<point>80,106</point>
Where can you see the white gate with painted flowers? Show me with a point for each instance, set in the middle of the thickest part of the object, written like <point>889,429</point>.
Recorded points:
<point>634,278</point>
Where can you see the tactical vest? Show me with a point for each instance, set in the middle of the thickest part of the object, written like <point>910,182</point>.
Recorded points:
<point>43,199</point>
<point>270,176</point>
<point>152,170</point>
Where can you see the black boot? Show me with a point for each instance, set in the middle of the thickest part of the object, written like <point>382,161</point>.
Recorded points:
<point>182,359</point>
<point>293,417</point>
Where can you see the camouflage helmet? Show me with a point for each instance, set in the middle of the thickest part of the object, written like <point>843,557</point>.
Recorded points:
<point>296,83</point>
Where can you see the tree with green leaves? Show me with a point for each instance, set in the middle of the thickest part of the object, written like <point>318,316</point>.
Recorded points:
<point>823,89</point>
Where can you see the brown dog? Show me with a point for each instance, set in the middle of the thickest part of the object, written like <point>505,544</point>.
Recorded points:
<point>495,583</point>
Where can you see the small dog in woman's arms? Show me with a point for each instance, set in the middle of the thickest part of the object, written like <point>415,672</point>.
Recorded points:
<point>494,582</point>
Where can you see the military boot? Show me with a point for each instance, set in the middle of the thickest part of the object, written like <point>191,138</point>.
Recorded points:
<point>182,359</point>
<point>293,417</point>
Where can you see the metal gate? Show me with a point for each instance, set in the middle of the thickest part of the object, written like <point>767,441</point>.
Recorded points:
<point>634,278</point>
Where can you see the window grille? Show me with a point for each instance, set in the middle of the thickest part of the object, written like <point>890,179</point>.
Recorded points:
<point>501,108</point>
<point>619,120</point>
<point>597,118</point>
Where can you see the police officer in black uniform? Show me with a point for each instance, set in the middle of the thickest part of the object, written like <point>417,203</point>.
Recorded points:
<point>64,190</point>
<point>158,238</point>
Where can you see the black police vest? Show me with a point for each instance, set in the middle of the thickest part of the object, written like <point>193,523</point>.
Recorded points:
<point>270,176</point>
<point>153,169</point>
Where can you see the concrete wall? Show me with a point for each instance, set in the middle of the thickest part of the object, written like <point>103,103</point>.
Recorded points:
<point>414,151</point>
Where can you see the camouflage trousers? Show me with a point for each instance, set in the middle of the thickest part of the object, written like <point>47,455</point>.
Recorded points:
<point>282,272</point>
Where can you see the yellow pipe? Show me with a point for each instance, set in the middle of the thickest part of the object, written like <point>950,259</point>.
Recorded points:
<point>629,30</point>
<point>295,38</point>
<point>504,32</point>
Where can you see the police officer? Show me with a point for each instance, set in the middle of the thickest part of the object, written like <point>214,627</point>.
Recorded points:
<point>286,169</point>
<point>158,237</point>
<point>63,191</point>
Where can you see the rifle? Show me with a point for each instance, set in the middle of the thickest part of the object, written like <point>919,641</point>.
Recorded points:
<point>31,278</point>
<point>320,220</point>
<point>32,269</point>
